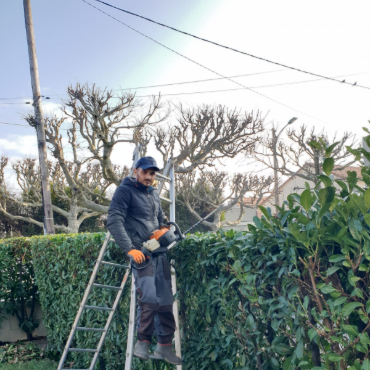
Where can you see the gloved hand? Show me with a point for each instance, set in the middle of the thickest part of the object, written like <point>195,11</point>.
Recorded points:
<point>137,255</point>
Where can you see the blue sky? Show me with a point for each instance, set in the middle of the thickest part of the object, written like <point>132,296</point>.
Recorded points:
<point>76,43</point>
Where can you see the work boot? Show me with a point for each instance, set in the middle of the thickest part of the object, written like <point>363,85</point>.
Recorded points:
<point>166,352</point>
<point>141,350</point>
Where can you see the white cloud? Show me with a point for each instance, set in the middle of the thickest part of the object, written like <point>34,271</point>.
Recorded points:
<point>20,145</point>
<point>52,108</point>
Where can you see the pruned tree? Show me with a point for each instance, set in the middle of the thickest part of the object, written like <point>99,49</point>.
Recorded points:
<point>104,120</point>
<point>28,179</point>
<point>303,155</point>
<point>14,213</point>
<point>209,187</point>
<point>98,121</point>
<point>207,133</point>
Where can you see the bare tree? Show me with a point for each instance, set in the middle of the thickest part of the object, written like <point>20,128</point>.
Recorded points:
<point>209,187</point>
<point>206,134</point>
<point>98,121</point>
<point>104,120</point>
<point>299,158</point>
<point>28,179</point>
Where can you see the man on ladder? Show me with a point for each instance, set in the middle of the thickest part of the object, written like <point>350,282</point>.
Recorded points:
<point>134,213</point>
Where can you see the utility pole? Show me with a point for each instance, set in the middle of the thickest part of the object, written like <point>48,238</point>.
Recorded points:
<point>274,150</point>
<point>46,197</point>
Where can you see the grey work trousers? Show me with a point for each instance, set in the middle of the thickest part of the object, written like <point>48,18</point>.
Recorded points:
<point>155,313</point>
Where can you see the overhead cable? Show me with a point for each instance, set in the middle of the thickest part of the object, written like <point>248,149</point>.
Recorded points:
<point>169,84</point>
<point>14,124</point>
<point>242,88</point>
<point>232,49</point>
<point>203,66</point>
<point>19,124</point>
<point>209,91</point>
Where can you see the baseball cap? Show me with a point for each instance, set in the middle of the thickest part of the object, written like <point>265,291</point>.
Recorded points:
<point>147,162</point>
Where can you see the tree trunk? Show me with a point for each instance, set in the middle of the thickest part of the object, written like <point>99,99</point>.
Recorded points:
<point>73,224</point>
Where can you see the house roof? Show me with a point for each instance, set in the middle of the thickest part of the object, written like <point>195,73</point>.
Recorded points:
<point>338,174</point>
<point>342,174</point>
<point>250,201</point>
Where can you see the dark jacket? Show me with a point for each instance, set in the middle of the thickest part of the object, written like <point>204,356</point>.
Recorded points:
<point>134,213</point>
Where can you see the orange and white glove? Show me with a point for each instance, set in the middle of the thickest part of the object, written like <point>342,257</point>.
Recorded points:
<point>137,256</point>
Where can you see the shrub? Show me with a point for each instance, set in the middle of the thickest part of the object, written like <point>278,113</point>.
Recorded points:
<point>18,292</point>
<point>234,307</point>
<point>64,266</point>
<point>293,292</point>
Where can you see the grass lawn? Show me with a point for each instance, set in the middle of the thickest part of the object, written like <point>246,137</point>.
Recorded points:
<point>31,365</point>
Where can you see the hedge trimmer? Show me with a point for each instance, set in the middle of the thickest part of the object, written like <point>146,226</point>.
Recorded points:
<point>166,237</point>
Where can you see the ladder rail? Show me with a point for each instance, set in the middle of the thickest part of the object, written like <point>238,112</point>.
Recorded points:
<point>136,157</point>
<point>165,173</point>
<point>84,300</point>
<point>173,272</point>
<point>131,327</point>
<point>176,315</point>
<point>110,317</point>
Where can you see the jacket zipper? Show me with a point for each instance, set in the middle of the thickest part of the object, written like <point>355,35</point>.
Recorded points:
<point>151,206</point>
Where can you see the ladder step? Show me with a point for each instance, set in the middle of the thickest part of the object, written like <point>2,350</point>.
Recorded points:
<point>163,177</point>
<point>166,199</point>
<point>106,286</point>
<point>114,265</point>
<point>153,357</point>
<point>99,308</point>
<point>89,329</point>
<point>82,350</point>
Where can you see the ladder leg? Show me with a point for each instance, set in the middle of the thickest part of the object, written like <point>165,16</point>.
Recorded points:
<point>111,314</point>
<point>131,328</point>
<point>84,299</point>
<point>176,315</point>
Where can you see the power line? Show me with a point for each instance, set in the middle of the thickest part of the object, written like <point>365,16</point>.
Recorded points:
<point>205,80</point>
<point>213,91</point>
<point>19,124</point>
<point>242,88</point>
<point>24,97</point>
<point>14,124</point>
<point>15,103</point>
<point>230,48</point>
<point>196,81</point>
<point>19,97</point>
<point>235,89</point>
<point>162,85</point>
<point>203,66</point>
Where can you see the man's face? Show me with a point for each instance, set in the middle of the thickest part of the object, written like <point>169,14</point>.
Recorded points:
<point>145,177</point>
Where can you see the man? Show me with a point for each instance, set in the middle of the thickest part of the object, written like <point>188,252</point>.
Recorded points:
<point>134,213</point>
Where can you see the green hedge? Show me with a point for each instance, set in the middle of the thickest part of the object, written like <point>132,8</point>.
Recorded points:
<point>18,292</point>
<point>291,293</point>
<point>62,267</point>
<point>235,305</point>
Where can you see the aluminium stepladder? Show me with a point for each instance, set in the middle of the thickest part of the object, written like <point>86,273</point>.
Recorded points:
<point>168,175</point>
